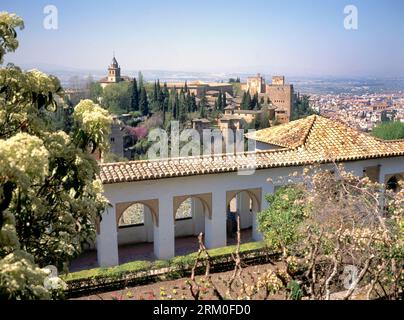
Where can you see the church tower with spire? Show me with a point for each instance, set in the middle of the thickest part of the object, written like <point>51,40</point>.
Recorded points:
<point>114,71</point>
<point>114,74</point>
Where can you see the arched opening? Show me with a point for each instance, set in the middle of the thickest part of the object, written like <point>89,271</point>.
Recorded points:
<point>135,231</point>
<point>393,183</point>
<point>189,221</point>
<point>133,216</point>
<point>244,203</point>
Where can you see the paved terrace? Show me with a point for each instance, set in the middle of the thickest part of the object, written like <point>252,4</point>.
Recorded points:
<point>144,251</point>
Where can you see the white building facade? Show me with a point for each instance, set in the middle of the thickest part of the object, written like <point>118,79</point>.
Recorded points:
<point>213,181</point>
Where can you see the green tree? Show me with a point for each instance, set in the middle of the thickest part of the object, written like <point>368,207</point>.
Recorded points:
<point>134,101</point>
<point>116,97</point>
<point>254,102</point>
<point>247,101</point>
<point>95,91</point>
<point>183,108</point>
<point>202,111</point>
<point>143,102</point>
<point>280,222</point>
<point>224,100</point>
<point>392,130</point>
<point>219,101</point>
<point>302,108</point>
<point>327,219</point>
<point>203,106</point>
<point>49,195</point>
<point>155,92</point>
<point>68,111</point>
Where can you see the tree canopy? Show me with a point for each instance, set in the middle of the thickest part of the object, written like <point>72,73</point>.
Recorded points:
<point>391,130</point>
<point>49,195</point>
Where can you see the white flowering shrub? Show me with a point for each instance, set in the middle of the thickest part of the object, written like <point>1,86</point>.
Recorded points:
<point>49,195</point>
<point>8,24</point>
<point>94,123</point>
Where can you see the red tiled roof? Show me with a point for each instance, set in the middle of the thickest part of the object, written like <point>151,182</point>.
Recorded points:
<point>307,141</point>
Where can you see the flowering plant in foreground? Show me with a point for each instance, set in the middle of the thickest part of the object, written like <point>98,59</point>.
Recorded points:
<point>49,197</point>
<point>332,221</point>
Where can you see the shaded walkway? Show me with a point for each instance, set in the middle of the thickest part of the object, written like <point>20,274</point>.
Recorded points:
<point>144,251</point>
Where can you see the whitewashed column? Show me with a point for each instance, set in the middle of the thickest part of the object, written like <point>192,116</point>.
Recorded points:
<point>215,228</point>
<point>267,188</point>
<point>164,238</point>
<point>197,216</point>
<point>148,224</point>
<point>243,208</point>
<point>107,240</point>
<point>382,178</point>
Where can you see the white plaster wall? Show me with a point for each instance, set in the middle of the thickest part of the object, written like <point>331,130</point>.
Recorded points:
<point>132,235</point>
<point>217,184</point>
<point>137,234</point>
<point>184,227</point>
<point>243,208</point>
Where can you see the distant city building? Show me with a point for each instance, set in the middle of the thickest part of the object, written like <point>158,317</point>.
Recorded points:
<point>114,74</point>
<point>278,92</point>
<point>255,84</point>
<point>199,88</point>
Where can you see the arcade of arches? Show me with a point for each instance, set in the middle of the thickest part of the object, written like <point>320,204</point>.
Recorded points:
<point>138,222</point>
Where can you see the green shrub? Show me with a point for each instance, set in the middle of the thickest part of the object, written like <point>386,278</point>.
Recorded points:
<point>137,266</point>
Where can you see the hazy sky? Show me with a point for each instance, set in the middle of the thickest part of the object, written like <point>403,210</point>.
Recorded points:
<point>292,37</point>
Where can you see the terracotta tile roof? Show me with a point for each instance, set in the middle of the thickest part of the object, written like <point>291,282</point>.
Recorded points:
<point>311,140</point>
<point>290,135</point>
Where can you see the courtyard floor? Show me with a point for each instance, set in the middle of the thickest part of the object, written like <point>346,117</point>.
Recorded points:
<point>144,251</point>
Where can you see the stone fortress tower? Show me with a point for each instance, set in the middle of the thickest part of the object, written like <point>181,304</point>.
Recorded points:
<point>279,93</point>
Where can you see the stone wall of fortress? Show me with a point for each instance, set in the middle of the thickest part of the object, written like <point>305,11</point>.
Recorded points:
<point>281,96</point>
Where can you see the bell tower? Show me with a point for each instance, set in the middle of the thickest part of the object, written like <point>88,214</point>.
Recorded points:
<point>114,71</point>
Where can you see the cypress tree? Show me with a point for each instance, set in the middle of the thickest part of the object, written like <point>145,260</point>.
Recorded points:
<point>219,102</point>
<point>224,100</point>
<point>155,94</point>
<point>189,103</point>
<point>134,102</point>
<point>160,95</point>
<point>193,103</point>
<point>182,114</point>
<point>247,101</point>
<point>243,101</point>
<point>166,99</point>
<point>166,93</point>
<point>202,111</point>
<point>175,105</point>
<point>143,102</point>
<point>202,106</point>
<point>253,101</point>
